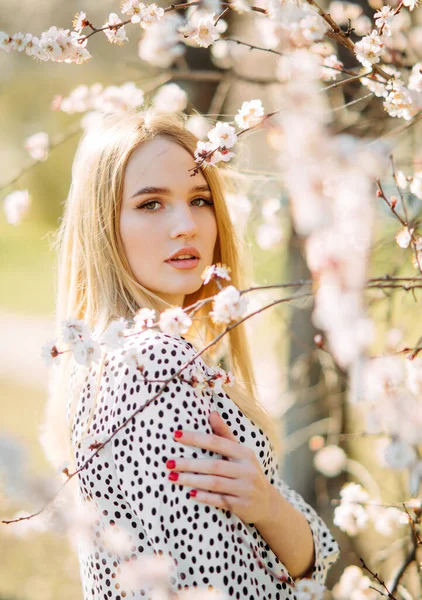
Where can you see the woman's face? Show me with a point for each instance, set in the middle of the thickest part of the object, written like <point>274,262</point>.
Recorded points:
<point>164,210</point>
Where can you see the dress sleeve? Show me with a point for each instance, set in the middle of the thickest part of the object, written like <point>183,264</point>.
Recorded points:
<point>210,548</point>
<point>326,548</point>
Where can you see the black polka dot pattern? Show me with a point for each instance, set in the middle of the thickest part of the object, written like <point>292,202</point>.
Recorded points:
<point>127,485</point>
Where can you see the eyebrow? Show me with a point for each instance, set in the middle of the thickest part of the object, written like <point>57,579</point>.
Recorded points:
<point>166,191</point>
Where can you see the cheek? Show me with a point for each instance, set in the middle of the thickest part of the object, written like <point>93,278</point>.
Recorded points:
<point>212,231</point>
<point>135,237</point>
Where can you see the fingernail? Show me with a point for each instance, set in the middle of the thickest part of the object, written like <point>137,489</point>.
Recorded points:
<point>192,493</point>
<point>173,476</point>
<point>170,464</point>
<point>178,433</point>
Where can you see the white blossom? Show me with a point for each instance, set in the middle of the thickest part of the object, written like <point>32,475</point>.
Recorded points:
<point>16,206</point>
<point>33,46</point>
<point>309,589</point>
<point>18,42</point>
<point>146,570</point>
<point>112,98</point>
<point>151,14</point>
<point>144,318</point>
<point>204,148</point>
<point>270,206</point>
<point>416,185</point>
<point>228,305</point>
<point>331,67</point>
<point>133,358</point>
<point>249,114</point>
<point>132,9</point>
<point>341,12</point>
<point>222,135</point>
<point>38,145</point>
<point>386,519</point>
<point>115,35</point>
<point>240,6</point>
<point>113,337</point>
<point>351,518</point>
<point>353,492</point>
<point>269,235</point>
<point>376,85</point>
<point>139,13</point>
<point>415,78</point>
<point>161,44</point>
<point>411,4</point>
<point>170,98</point>
<point>198,125</point>
<point>74,331</point>
<point>221,378</point>
<point>417,260</point>
<point>399,454</point>
<point>401,180</point>
<point>79,21</point>
<point>362,25</point>
<point>313,27</point>
<point>116,540</point>
<point>217,271</point>
<point>5,41</point>
<point>330,460</point>
<point>205,32</point>
<point>86,352</point>
<point>369,48</point>
<point>404,236</point>
<point>174,321</point>
<point>383,18</point>
<point>50,353</point>
<point>400,101</point>
<point>354,585</point>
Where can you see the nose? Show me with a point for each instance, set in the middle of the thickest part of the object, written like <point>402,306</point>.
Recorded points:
<point>183,223</point>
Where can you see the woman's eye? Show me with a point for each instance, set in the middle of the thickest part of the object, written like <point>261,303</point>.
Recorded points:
<point>148,205</point>
<point>205,200</point>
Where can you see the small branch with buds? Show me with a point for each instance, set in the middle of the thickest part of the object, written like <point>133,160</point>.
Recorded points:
<point>380,581</point>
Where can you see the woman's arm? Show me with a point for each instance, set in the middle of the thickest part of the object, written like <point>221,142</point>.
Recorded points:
<point>289,536</point>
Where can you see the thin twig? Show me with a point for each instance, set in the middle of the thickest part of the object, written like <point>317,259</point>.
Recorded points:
<point>380,581</point>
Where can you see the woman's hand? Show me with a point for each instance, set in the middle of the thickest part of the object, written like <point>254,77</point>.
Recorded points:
<point>237,484</point>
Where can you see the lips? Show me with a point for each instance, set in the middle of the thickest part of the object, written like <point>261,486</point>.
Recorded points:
<point>187,253</point>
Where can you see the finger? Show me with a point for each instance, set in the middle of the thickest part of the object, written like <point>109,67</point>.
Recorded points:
<point>212,466</point>
<point>215,443</point>
<point>218,500</point>
<point>220,485</point>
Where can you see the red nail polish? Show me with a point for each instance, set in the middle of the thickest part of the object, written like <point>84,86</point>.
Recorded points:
<point>170,464</point>
<point>192,493</point>
<point>178,433</point>
<point>173,476</point>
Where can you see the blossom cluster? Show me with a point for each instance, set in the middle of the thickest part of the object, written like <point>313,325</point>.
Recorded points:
<point>228,306</point>
<point>356,510</point>
<point>96,97</point>
<point>391,388</point>
<point>223,136</point>
<point>57,45</point>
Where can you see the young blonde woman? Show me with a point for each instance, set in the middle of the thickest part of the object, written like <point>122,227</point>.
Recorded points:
<point>193,479</point>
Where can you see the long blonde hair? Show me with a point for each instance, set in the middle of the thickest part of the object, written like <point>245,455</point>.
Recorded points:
<point>96,284</point>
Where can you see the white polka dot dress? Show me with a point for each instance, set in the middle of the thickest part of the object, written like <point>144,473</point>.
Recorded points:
<point>139,514</point>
